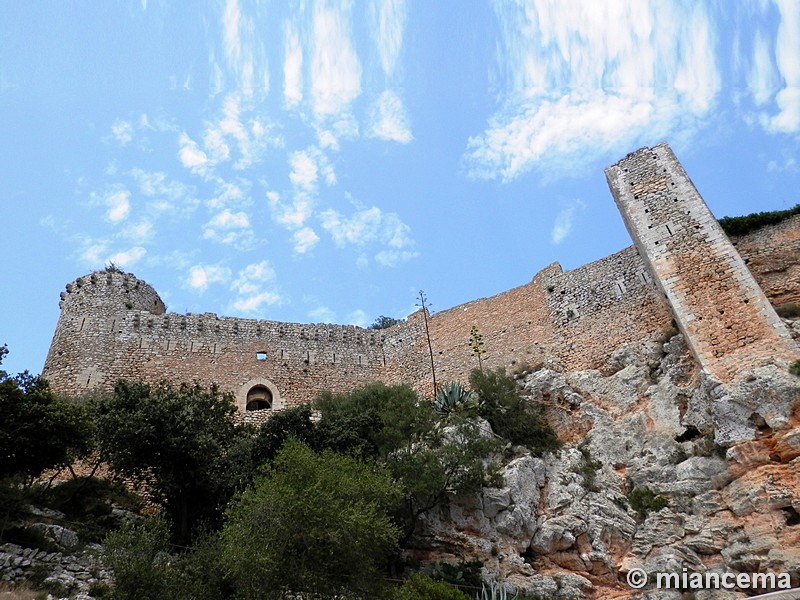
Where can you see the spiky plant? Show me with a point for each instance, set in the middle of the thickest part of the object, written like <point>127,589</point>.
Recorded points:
<point>453,397</point>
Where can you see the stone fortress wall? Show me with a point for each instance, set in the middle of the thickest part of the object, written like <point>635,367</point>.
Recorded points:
<point>114,325</point>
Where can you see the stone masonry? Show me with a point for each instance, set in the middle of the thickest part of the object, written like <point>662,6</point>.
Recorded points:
<point>727,319</point>
<point>682,270</point>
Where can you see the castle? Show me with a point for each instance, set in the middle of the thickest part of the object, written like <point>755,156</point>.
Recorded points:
<point>681,271</point>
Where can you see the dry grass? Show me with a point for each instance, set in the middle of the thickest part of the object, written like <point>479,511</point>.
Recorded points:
<point>10,591</point>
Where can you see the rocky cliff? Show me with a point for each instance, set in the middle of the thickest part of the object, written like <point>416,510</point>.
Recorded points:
<point>663,469</point>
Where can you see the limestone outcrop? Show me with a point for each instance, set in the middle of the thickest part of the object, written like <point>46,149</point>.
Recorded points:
<point>663,469</point>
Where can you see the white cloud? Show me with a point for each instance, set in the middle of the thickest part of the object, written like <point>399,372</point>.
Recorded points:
<point>761,78</point>
<point>230,228</point>
<point>227,193</point>
<point>191,156</point>
<point>392,258</point>
<point>155,183</point>
<point>786,54</point>
<point>252,277</point>
<point>304,240</point>
<point>122,131</point>
<point>243,49</point>
<point>361,228</point>
<point>128,257</point>
<point>201,276</point>
<point>256,301</point>
<point>583,78</point>
<point>304,171</point>
<point>119,205</point>
<point>335,68</point>
<point>564,221</point>
<point>358,318</point>
<point>388,22</point>
<point>141,231</point>
<point>249,287</point>
<point>95,253</point>
<point>372,226</point>
<point>322,314</point>
<point>292,67</point>
<point>788,164</point>
<point>389,120</point>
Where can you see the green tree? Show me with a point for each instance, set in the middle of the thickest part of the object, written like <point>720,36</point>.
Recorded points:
<point>315,523</point>
<point>374,419</point>
<point>384,322</point>
<point>430,458</point>
<point>510,415</point>
<point>293,422</point>
<point>38,430</point>
<point>180,443</point>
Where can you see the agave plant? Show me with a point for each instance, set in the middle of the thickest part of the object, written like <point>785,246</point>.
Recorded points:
<point>495,591</point>
<point>452,396</point>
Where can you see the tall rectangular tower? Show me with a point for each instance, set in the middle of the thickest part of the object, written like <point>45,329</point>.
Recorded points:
<point>727,320</point>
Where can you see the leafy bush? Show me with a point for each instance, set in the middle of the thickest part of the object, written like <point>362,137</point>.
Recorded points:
<point>420,587</point>
<point>313,524</point>
<point>644,500</point>
<point>178,443</point>
<point>794,368</point>
<point>87,503</point>
<point>510,416</point>
<point>788,311</point>
<point>753,221</point>
<point>384,322</point>
<point>588,469</point>
<point>38,430</point>
<point>137,554</point>
<point>466,573</point>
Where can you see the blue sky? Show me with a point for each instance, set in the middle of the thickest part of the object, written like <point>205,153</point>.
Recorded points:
<point>323,161</point>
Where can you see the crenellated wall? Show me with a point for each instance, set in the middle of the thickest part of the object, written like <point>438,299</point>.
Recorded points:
<point>680,269</point>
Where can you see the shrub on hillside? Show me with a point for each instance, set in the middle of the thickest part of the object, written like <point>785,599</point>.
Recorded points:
<point>510,415</point>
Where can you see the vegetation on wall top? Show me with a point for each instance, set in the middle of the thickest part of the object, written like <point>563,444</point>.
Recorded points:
<point>747,223</point>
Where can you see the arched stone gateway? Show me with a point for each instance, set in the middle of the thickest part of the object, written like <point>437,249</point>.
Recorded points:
<point>258,394</point>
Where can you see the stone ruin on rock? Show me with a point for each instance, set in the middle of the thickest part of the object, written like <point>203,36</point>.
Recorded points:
<point>682,270</point>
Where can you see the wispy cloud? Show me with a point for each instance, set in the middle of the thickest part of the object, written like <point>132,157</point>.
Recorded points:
<point>358,318</point>
<point>581,78</point>
<point>119,205</point>
<point>372,226</point>
<point>243,50</point>
<point>191,156</point>
<point>564,221</point>
<point>304,240</point>
<point>788,98</point>
<point>388,24</point>
<point>202,276</point>
<point>335,68</point>
<point>292,66</point>
<point>322,314</point>
<point>122,132</point>
<point>250,287</point>
<point>231,228</point>
<point>96,253</point>
<point>388,119</point>
<point>128,258</point>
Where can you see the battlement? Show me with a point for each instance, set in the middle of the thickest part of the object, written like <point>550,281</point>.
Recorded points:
<point>110,290</point>
<point>682,268</point>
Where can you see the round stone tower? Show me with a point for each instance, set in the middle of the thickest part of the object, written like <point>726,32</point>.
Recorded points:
<point>87,350</point>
